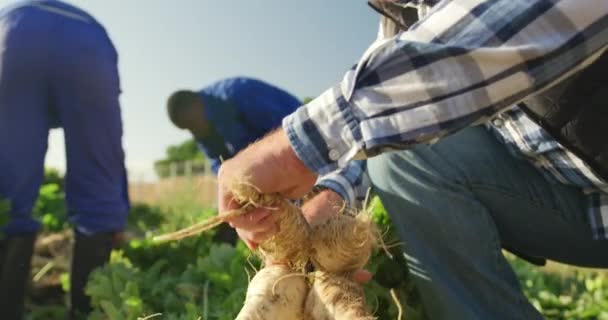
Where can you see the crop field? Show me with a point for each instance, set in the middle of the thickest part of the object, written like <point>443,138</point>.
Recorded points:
<point>201,278</point>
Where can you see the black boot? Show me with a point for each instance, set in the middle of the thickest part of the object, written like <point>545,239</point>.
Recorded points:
<point>90,252</point>
<point>15,262</point>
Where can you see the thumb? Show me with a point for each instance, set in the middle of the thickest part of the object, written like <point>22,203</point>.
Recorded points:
<point>362,276</point>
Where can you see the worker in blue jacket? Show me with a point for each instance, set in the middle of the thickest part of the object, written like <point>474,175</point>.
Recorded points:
<point>58,68</point>
<point>230,114</point>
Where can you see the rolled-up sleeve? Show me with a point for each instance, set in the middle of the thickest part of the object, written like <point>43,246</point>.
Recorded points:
<point>459,66</point>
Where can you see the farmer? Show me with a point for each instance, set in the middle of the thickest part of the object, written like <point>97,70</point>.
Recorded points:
<point>229,114</point>
<point>58,69</point>
<point>484,126</point>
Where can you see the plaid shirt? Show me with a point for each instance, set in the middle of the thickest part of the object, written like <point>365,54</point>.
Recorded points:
<point>465,63</point>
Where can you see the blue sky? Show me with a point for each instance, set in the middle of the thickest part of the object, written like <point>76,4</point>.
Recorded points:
<point>301,46</point>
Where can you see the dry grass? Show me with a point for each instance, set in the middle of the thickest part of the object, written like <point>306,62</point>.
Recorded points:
<point>198,189</point>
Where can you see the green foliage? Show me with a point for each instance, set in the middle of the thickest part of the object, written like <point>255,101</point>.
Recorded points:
<point>186,279</point>
<point>391,272</point>
<point>574,295</point>
<point>50,208</point>
<point>144,217</point>
<point>307,100</point>
<point>52,176</point>
<point>187,150</point>
<point>196,277</point>
<point>193,278</point>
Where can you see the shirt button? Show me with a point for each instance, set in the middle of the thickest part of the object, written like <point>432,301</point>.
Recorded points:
<point>498,122</point>
<point>334,155</point>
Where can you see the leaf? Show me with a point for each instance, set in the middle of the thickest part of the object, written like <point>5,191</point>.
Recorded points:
<point>111,311</point>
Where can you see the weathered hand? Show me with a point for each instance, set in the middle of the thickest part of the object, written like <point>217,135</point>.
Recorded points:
<point>362,276</point>
<point>271,166</point>
<point>322,206</point>
<point>255,227</point>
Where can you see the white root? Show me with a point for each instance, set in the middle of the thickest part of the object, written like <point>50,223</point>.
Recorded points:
<point>343,243</point>
<point>334,297</point>
<point>275,292</point>
<point>340,246</point>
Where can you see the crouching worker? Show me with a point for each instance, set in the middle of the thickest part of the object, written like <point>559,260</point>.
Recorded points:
<point>58,69</point>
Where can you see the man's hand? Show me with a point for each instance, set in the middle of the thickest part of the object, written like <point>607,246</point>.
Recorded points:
<point>271,166</point>
<point>261,224</point>
<point>322,206</point>
<point>362,276</point>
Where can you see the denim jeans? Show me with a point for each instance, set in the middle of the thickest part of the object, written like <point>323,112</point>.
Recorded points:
<point>457,203</point>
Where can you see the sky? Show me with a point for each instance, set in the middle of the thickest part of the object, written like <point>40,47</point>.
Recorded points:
<point>301,46</point>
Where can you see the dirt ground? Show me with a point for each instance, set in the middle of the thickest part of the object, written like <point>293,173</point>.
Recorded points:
<point>52,256</point>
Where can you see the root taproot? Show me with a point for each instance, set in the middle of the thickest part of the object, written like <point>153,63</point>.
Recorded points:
<point>275,292</point>
<point>334,297</point>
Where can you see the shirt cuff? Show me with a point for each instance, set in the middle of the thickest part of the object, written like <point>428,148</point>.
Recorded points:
<point>324,133</point>
<point>339,185</point>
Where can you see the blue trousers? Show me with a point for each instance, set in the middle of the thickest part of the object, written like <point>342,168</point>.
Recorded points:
<point>58,68</point>
<point>456,203</point>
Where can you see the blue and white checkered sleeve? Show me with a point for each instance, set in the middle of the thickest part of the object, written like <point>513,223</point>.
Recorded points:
<point>460,65</point>
<point>350,182</point>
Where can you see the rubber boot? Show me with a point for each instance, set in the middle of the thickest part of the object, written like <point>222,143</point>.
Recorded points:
<point>15,264</point>
<point>89,253</point>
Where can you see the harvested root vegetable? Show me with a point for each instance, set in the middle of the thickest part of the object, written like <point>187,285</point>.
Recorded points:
<point>291,244</point>
<point>244,193</point>
<point>278,291</point>
<point>334,297</point>
<point>338,247</point>
<point>343,243</point>
<point>275,292</point>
